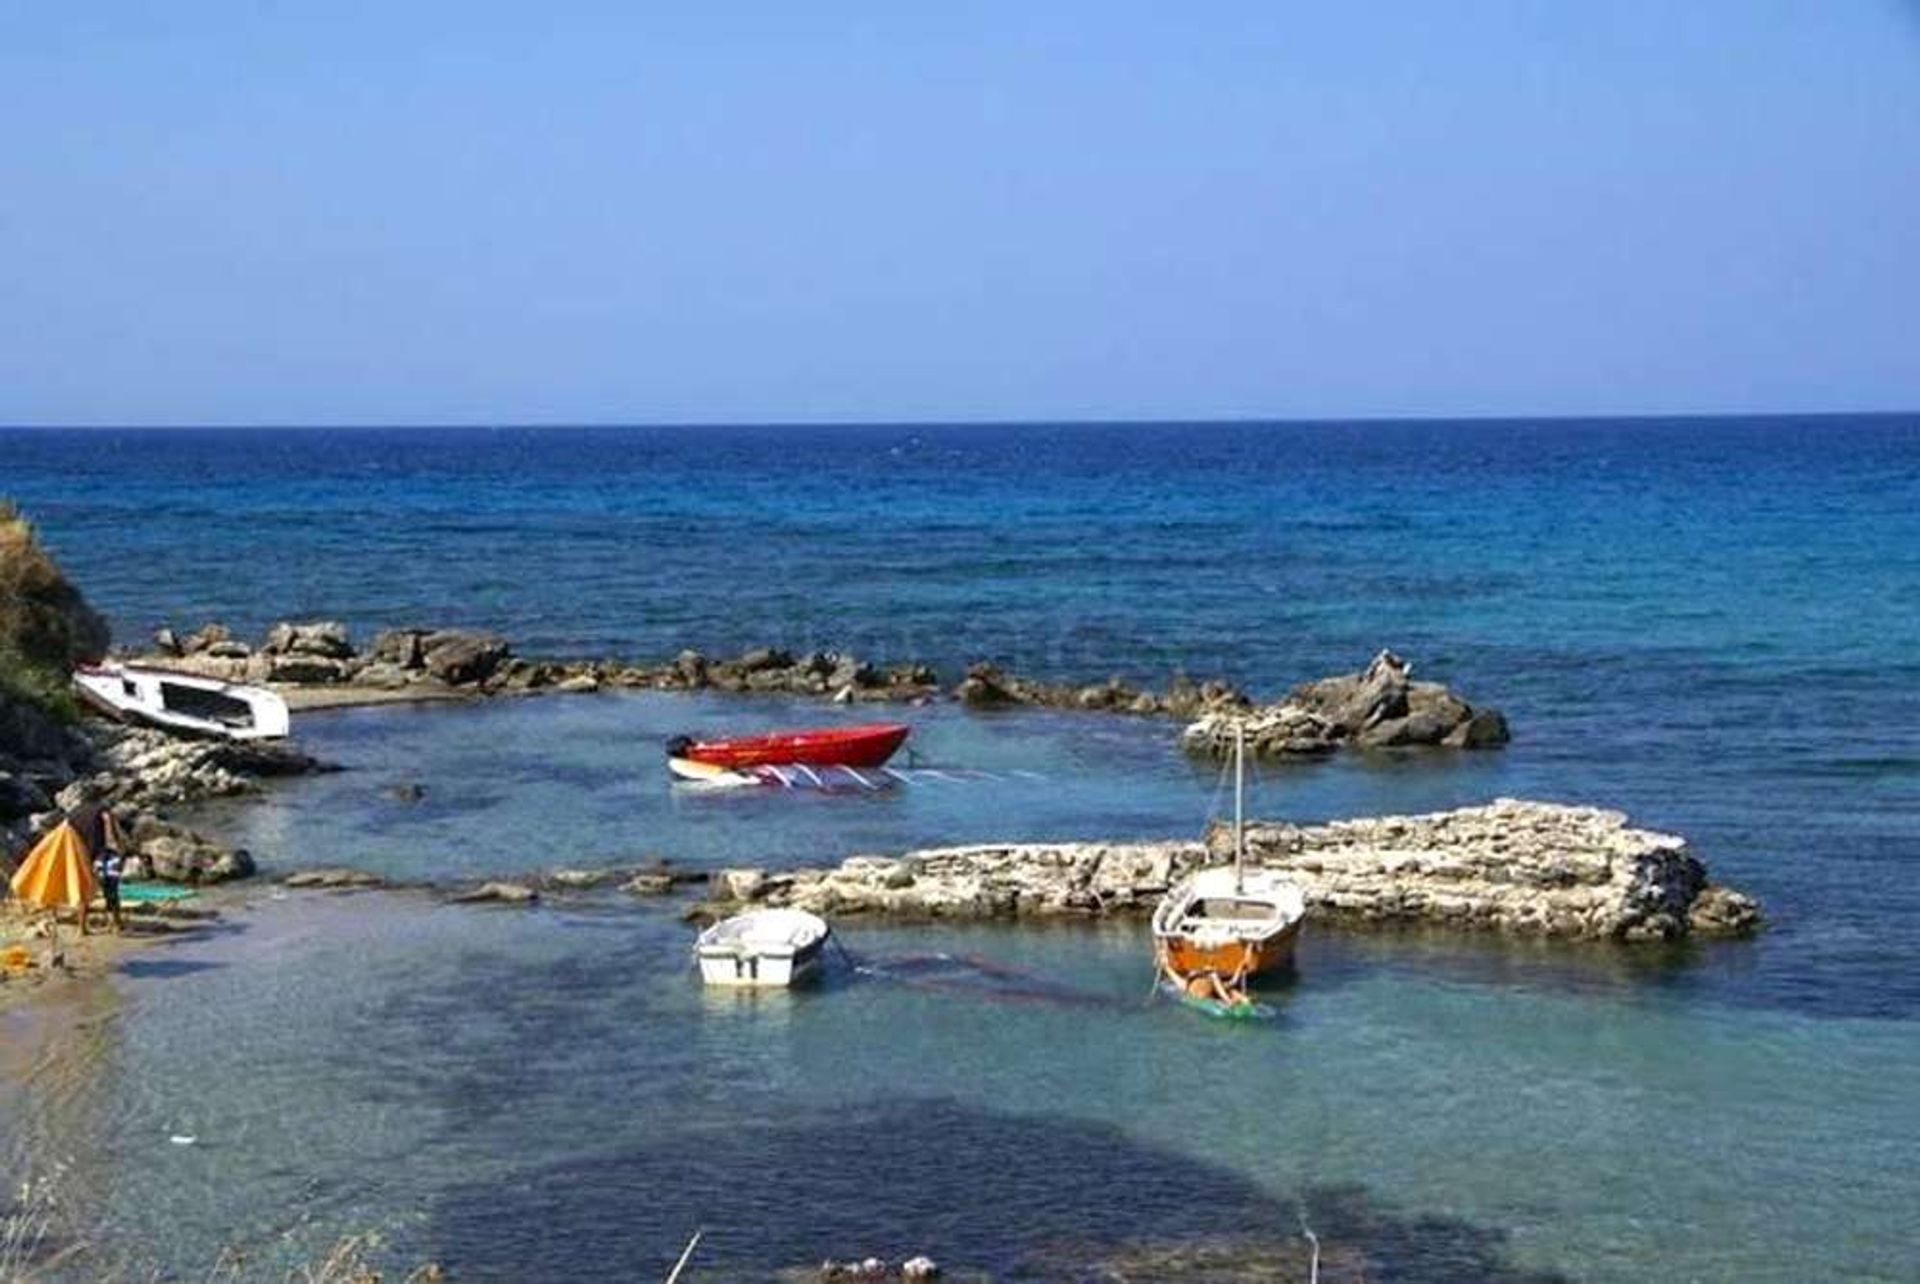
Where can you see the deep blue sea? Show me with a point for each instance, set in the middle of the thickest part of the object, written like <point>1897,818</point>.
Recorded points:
<point>1713,625</point>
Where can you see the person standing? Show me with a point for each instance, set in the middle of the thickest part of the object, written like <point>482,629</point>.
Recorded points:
<point>105,842</point>
<point>106,871</point>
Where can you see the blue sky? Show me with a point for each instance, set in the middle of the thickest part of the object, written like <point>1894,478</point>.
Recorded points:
<point>338,212</point>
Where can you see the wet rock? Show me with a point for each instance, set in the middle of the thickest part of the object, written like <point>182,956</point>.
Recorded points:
<point>503,893</point>
<point>579,683</point>
<point>578,879</point>
<point>333,879</point>
<point>984,687</point>
<point>648,885</point>
<point>1721,911</point>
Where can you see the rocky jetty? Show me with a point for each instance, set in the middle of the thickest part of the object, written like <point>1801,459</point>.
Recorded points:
<point>1534,868</point>
<point>1380,707</point>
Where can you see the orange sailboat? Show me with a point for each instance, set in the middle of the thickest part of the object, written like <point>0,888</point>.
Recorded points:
<point>1222,927</point>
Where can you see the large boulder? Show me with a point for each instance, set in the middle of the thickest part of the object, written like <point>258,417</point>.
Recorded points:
<point>461,658</point>
<point>177,855</point>
<point>1380,707</point>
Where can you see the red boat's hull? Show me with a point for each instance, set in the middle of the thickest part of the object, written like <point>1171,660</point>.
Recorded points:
<point>866,746</point>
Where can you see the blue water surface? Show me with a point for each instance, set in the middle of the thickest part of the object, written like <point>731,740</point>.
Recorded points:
<point>1713,625</point>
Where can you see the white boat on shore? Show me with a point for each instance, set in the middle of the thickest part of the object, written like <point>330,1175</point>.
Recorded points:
<point>184,703</point>
<point>764,947</point>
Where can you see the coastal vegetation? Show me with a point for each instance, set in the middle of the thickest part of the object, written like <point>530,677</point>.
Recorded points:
<point>46,625</point>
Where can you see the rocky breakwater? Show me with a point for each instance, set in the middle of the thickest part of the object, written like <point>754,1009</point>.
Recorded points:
<point>427,662</point>
<point>1534,868</point>
<point>322,653</point>
<point>1380,707</point>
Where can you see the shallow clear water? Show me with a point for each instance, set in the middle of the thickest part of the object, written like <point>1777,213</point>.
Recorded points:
<point>550,1094</point>
<point>1713,626</point>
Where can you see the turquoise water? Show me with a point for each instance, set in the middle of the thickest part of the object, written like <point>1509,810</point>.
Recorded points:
<point>1712,625</point>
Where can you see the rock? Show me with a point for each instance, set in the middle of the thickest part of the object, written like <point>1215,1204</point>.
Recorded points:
<point>326,639</point>
<point>579,879</point>
<point>382,675</point>
<point>499,893</point>
<point>178,855</point>
<point>207,635</point>
<point>166,641</point>
<point>742,884</point>
<point>1721,911</point>
<point>984,687</point>
<point>762,658</point>
<point>461,659</point>
<point>20,797</point>
<point>29,733</point>
<point>300,668</point>
<point>333,879</point>
<point>1377,708</point>
<point>648,885</point>
<point>1525,867</point>
<point>407,791</point>
<point>401,648</point>
<point>920,1268</point>
<point>1484,729</point>
<point>579,683</point>
<point>691,668</point>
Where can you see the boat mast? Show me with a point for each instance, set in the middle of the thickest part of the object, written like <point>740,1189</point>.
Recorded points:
<point>1239,807</point>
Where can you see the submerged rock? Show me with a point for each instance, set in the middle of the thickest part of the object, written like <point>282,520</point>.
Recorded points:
<point>497,892</point>
<point>333,878</point>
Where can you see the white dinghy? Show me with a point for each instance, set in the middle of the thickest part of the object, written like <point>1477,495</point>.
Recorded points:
<point>183,702</point>
<point>766,947</point>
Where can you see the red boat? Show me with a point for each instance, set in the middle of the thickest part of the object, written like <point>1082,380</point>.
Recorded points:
<point>863,746</point>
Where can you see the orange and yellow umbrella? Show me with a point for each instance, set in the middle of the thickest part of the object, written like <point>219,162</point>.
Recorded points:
<point>57,873</point>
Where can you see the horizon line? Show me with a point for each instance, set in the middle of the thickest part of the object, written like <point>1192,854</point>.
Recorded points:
<point>1223,421</point>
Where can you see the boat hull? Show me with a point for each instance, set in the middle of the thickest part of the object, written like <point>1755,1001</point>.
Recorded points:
<point>866,746</point>
<point>182,703</point>
<point>767,948</point>
<point>1187,957</point>
<point>762,969</point>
